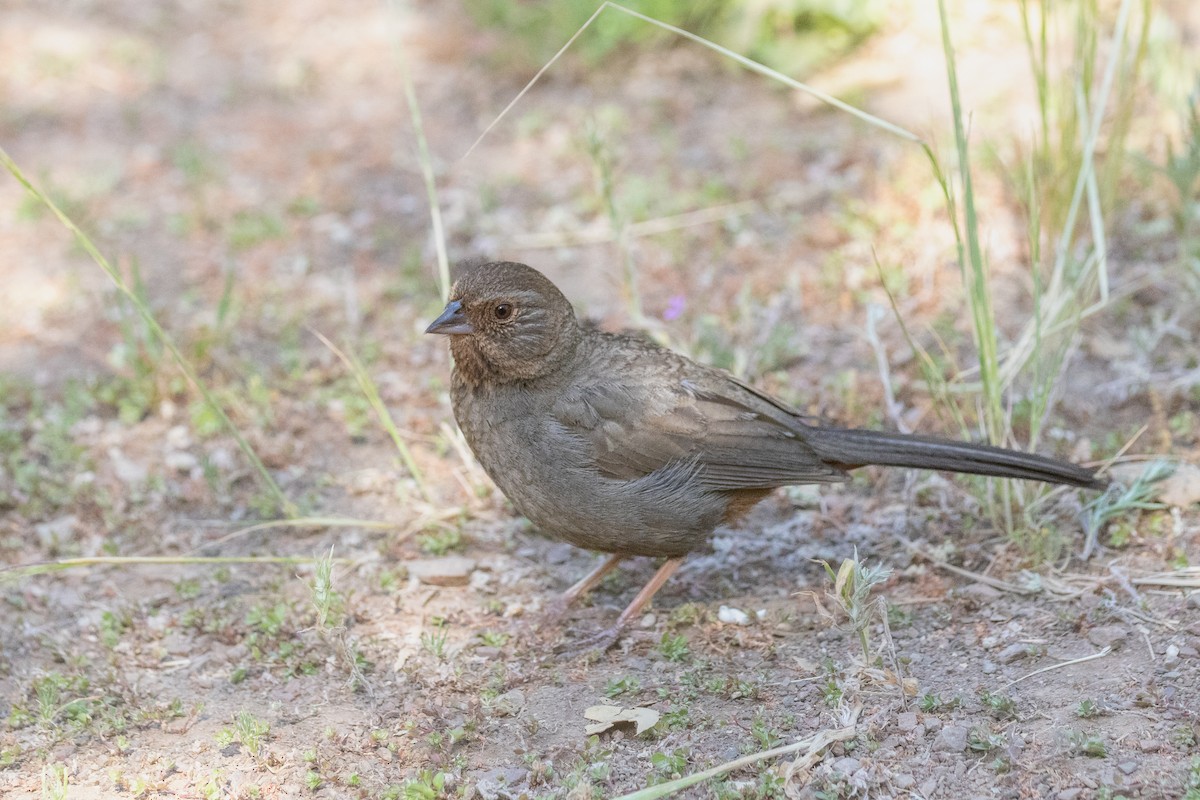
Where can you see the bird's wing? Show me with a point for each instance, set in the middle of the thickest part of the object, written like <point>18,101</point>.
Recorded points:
<point>737,438</point>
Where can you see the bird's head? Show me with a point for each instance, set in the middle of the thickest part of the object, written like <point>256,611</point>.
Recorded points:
<point>507,322</point>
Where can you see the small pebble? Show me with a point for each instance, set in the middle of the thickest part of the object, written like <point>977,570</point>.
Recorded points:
<point>980,591</point>
<point>903,781</point>
<point>1070,794</point>
<point>1014,652</point>
<point>1171,657</point>
<point>1128,767</point>
<point>1107,636</point>
<point>180,461</point>
<point>445,571</point>
<point>989,667</point>
<point>733,616</point>
<point>847,766</point>
<point>907,721</point>
<point>951,739</point>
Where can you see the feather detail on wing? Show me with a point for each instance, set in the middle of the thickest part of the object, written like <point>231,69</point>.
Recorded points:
<point>735,446</point>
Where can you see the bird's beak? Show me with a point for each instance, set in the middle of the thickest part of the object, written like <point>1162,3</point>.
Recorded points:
<point>452,321</point>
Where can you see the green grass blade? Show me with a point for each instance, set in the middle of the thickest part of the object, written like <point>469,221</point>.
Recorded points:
<point>385,417</point>
<point>748,63</point>
<point>426,161</point>
<point>975,267</point>
<point>284,504</point>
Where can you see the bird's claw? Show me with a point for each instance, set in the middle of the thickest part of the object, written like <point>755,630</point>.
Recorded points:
<point>597,643</point>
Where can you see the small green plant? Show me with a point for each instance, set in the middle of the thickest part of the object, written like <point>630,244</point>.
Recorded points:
<point>251,228</point>
<point>434,642</point>
<point>495,639</point>
<point>328,602</point>
<point>268,621</point>
<point>247,730</point>
<point>111,628</point>
<point>999,705</point>
<point>1087,709</point>
<point>428,785</point>
<point>1193,780</point>
<point>619,686</point>
<point>764,737</point>
<point>686,615</point>
<point>55,782</point>
<point>852,585</point>
<point>669,766</point>
<point>1120,501</point>
<point>441,541</point>
<point>673,647</point>
<point>982,740</point>
<point>1088,744</point>
<point>677,719</point>
<point>832,692</point>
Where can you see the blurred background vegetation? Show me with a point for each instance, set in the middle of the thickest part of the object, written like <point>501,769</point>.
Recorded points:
<point>793,36</point>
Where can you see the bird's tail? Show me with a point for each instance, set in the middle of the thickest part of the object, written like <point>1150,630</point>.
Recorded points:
<point>851,448</point>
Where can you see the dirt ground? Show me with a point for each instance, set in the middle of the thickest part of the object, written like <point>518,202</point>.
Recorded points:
<point>252,168</point>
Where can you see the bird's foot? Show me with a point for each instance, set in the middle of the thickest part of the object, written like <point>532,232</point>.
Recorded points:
<point>597,643</point>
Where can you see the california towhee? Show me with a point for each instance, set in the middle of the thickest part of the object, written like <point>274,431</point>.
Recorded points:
<point>615,444</point>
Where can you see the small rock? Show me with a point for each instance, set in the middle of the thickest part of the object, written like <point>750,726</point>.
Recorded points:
<point>179,437</point>
<point>128,471</point>
<point>1107,636</point>
<point>1193,600</point>
<point>1014,652</point>
<point>1171,657</point>
<point>903,781</point>
<point>980,591</point>
<point>847,766</point>
<point>907,721</point>
<point>57,531</point>
<point>559,553</point>
<point>1069,794</point>
<point>222,459</point>
<point>929,787</point>
<point>1149,746</point>
<point>1182,487</point>
<point>733,616</point>
<point>181,461</point>
<point>509,703</point>
<point>933,724</point>
<point>951,739</point>
<point>445,571</point>
<point>1128,767</point>
<point>989,667</point>
<point>648,621</point>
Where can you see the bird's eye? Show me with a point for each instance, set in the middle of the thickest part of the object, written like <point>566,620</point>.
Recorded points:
<point>503,311</point>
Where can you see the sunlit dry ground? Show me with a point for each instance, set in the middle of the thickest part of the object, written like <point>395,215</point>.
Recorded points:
<point>253,167</point>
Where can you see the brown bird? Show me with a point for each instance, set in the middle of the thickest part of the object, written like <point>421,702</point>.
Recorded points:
<point>612,443</point>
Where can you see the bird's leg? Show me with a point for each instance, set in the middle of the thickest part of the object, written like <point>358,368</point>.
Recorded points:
<point>649,590</point>
<point>583,586</point>
<point>607,638</point>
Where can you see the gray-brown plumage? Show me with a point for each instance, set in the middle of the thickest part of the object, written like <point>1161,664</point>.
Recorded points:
<point>612,443</point>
